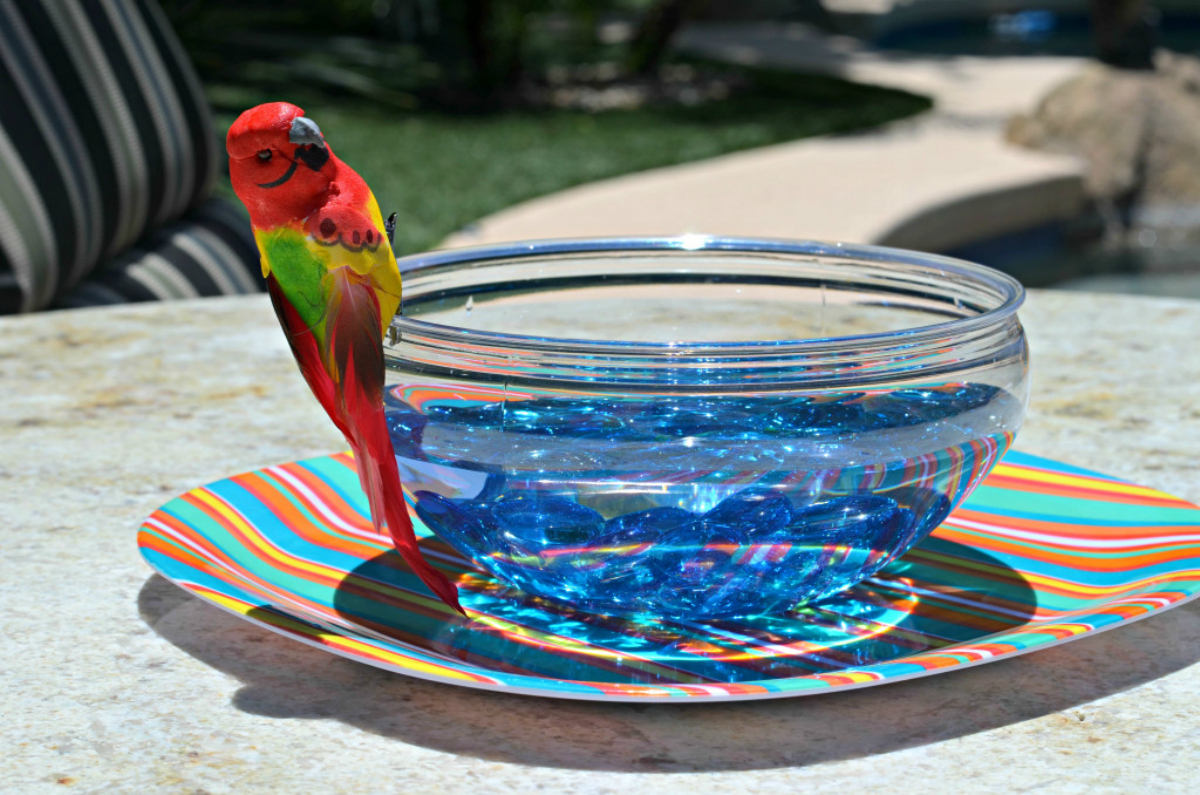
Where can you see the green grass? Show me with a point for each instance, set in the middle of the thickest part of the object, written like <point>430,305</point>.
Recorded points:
<point>440,172</point>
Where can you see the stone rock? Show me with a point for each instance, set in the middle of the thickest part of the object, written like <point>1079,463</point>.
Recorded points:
<point>1138,131</point>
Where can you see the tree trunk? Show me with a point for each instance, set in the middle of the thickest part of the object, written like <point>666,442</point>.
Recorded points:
<point>1123,33</point>
<point>654,32</point>
<point>478,21</point>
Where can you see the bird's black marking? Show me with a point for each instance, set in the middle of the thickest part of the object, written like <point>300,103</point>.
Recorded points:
<point>389,226</point>
<point>314,157</point>
<point>286,176</point>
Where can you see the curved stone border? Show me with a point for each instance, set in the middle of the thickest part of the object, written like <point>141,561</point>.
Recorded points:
<point>938,182</point>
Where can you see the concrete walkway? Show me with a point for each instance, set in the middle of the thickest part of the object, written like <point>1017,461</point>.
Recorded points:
<point>935,182</point>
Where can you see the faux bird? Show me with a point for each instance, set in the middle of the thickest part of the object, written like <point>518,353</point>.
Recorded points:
<point>335,287</point>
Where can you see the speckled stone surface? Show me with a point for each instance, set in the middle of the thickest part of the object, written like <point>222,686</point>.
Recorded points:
<point>115,680</point>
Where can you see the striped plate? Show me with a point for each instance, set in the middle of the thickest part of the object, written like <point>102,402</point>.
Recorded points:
<point>1042,553</point>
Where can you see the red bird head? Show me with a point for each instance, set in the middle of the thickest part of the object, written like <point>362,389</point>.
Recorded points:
<point>279,163</point>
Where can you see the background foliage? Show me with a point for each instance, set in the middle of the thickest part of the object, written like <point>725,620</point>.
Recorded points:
<point>445,136</point>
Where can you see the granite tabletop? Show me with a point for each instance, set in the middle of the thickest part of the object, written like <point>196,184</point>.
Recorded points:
<point>115,680</point>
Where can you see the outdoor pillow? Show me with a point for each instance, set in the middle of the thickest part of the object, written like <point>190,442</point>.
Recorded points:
<point>105,136</point>
<point>209,252</point>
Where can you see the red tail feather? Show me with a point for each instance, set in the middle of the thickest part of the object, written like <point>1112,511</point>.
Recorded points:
<point>348,381</point>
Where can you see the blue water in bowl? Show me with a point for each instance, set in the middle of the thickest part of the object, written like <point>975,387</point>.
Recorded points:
<point>694,507</point>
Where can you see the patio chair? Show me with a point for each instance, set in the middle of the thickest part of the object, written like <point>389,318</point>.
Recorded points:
<point>107,161</point>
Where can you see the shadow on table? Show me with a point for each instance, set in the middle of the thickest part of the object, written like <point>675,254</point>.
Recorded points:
<point>285,679</point>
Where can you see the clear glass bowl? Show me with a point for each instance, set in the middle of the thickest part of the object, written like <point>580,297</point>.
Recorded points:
<point>697,427</point>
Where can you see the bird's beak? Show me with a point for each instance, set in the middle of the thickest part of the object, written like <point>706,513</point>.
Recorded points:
<point>305,132</point>
<point>310,145</point>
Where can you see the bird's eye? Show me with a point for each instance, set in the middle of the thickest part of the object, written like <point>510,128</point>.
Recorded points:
<point>264,155</point>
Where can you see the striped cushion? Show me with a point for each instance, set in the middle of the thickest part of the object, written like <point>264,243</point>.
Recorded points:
<point>104,134</point>
<point>209,252</point>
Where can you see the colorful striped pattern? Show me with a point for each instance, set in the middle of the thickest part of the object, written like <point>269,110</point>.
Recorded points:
<point>105,136</point>
<point>1040,554</point>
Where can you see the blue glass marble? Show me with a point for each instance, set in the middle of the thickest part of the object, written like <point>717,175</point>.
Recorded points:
<point>755,512</point>
<point>643,527</point>
<point>405,426</point>
<point>535,523</point>
<point>457,523</point>
<point>619,573</point>
<point>695,506</point>
<point>576,425</point>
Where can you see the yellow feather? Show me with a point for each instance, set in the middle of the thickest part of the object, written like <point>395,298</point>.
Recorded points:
<point>378,265</point>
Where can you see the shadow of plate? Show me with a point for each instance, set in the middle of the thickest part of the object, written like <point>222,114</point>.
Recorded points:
<point>284,679</point>
<point>966,593</point>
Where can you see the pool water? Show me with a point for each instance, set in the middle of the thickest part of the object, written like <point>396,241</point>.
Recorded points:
<point>693,506</point>
<point>1031,32</point>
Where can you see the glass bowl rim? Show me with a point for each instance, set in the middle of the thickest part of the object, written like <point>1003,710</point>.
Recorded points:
<point>1011,289</point>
